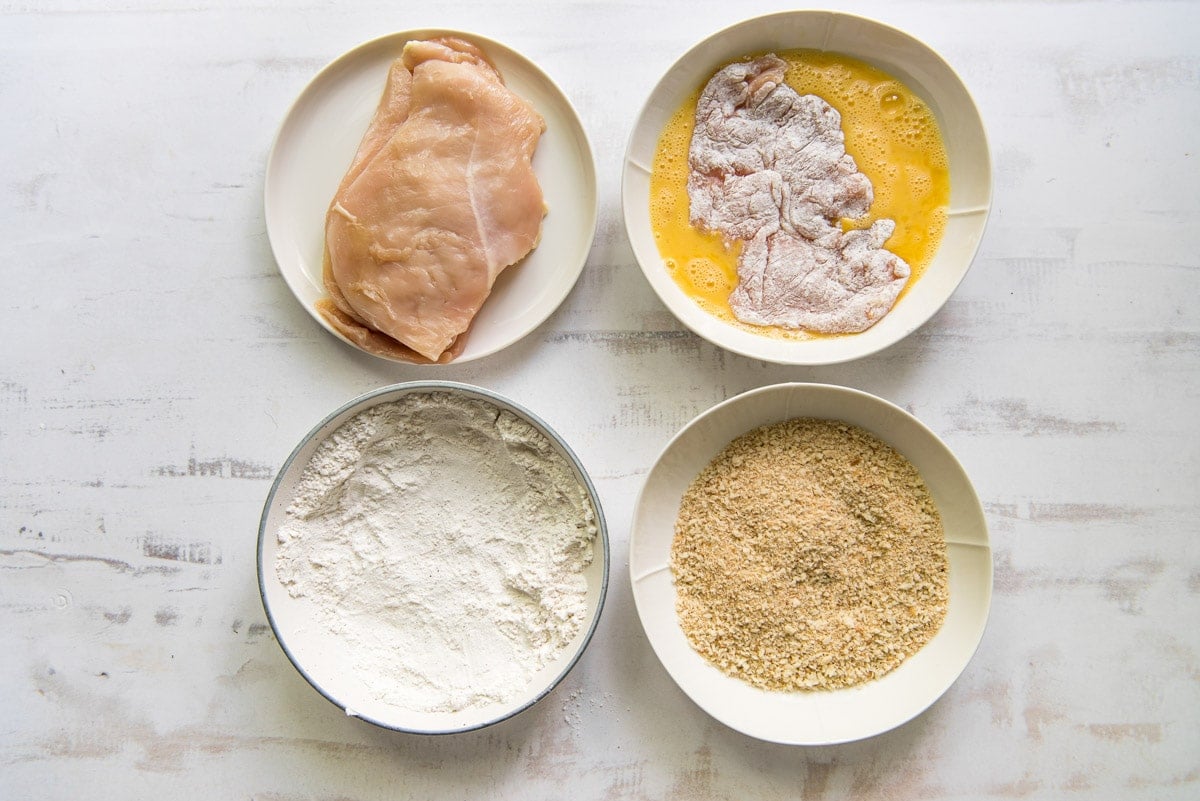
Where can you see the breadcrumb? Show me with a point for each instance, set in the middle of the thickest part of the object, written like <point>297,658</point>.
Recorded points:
<point>809,555</point>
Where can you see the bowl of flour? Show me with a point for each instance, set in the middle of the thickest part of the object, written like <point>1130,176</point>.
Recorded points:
<point>433,558</point>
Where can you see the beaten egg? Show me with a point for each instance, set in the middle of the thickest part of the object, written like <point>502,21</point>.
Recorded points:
<point>890,132</point>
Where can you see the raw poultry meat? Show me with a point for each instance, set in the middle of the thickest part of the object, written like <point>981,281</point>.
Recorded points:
<point>768,166</point>
<point>439,199</point>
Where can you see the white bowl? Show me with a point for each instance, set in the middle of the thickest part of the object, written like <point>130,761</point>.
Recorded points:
<point>904,57</point>
<point>317,655</point>
<point>321,133</point>
<point>819,717</point>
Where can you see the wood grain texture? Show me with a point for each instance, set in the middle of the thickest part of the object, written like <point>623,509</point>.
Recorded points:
<point>157,371</point>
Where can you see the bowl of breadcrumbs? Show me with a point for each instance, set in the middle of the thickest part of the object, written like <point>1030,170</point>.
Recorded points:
<point>810,563</point>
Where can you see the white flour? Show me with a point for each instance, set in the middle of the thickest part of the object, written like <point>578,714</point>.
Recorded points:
<point>443,542</point>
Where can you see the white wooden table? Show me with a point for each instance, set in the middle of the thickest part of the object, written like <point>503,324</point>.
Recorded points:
<point>156,371</point>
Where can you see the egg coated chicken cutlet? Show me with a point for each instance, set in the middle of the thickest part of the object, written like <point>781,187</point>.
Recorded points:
<point>768,167</point>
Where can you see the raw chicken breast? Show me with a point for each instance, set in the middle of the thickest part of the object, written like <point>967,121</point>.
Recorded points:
<point>440,198</point>
<point>769,166</point>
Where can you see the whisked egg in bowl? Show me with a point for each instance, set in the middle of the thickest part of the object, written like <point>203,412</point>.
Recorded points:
<point>807,187</point>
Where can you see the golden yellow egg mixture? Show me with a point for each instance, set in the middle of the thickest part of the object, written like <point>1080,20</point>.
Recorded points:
<point>890,132</point>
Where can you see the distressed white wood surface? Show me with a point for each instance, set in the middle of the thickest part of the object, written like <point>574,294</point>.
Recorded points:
<point>156,371</point>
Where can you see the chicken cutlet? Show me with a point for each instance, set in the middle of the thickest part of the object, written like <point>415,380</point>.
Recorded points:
<point>439,199</point>
<point>769,167</point>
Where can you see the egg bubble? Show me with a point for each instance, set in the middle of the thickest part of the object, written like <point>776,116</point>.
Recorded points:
<point>706,275</point>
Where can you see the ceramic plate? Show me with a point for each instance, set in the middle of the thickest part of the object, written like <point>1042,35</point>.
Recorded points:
<point>918,67</point>
<point>322,131</point>
<point>813,718</point>
<point>316,653</point>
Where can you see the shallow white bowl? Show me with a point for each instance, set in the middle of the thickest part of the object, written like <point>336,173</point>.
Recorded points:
<point>812,718</point>
<point>322,131</point>
<point>919,68</point>
<point>314,652</point>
